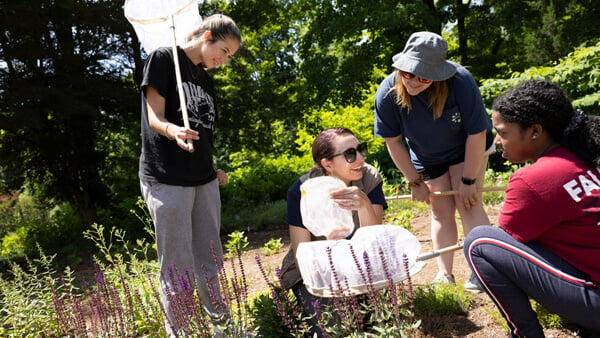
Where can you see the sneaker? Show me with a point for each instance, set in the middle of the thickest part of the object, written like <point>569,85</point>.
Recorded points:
<point>443,278</point>
<point>218,332</point>
<point>473,285</point>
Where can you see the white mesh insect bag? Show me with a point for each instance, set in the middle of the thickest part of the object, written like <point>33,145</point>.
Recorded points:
<point>349,267</point>
<point>320,214</point>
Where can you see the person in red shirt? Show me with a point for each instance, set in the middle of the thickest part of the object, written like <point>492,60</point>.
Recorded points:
<point>547,245</point>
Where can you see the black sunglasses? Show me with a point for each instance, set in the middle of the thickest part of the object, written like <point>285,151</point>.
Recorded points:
<point>409,76</point>
<point>350,153</point>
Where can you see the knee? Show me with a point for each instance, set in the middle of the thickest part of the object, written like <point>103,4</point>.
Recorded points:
<point>443,217</point>
<point>476,233</point>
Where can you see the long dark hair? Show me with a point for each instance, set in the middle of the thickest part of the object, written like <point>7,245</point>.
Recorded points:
<point>544,103</point>
<point>323,148</point>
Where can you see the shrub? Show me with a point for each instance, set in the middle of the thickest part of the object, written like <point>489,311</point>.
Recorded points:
<point>266,180</point>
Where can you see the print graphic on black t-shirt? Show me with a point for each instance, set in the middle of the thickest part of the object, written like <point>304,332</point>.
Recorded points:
<point>201,111</point>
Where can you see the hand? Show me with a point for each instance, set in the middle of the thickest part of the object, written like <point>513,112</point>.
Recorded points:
<point>420,193</point>
<point>222,177</point>
<point>338,233</point>
<point>182,134</point>
<point>468,195</point>
<point>350,198</point>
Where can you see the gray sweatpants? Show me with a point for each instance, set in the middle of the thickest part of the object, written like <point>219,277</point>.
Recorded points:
<point>187,222</point>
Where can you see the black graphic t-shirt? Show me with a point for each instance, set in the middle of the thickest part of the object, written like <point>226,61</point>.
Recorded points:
<point>161,159</point>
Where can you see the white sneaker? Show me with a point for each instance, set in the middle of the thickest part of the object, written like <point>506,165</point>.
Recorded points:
<point>443,278</point>
<point>473,285</point>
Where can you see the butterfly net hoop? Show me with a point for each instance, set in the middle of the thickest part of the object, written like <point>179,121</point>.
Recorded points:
<point>321,214</point>
<point>376,257</point>
<point>153,19</point>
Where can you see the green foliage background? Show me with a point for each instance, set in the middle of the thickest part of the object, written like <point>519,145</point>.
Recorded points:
<point>69,102</point>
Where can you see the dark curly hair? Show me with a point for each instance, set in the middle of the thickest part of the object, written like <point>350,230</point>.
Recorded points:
<point>544,103</point>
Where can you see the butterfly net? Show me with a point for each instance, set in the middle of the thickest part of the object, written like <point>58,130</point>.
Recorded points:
<point>374,258</point>
<point>320,214</point>
<point>151,20</point>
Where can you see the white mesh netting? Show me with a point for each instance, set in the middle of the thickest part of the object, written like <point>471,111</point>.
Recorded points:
<point>345,273</point>
<point>151,20</point>
<point>320,214</point>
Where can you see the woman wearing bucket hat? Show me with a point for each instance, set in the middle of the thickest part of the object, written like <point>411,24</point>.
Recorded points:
<point>434,106</point>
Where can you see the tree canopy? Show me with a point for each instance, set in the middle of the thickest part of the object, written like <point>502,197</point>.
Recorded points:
<point>69,99</point>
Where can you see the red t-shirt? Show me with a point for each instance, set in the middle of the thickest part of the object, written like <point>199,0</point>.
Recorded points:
<point>556,202</point>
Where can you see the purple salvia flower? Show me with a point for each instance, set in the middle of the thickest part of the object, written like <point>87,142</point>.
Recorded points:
<point>242,305</point>
<point>370,287</point>
<point>191,305</point>
<point>411,291</point>
<point>357,263</point>
<point>173,296</point>
<point>263,273</point>
<point>278,276</point>
<point>334,273</point>
<point>158,299</point>
<point>117,311</point>
<point>59,308</point>
<point>99,275</point>
<point>129,299</point>
<point>388,276</point>
<point>355,308</point>
<point>281,309</point>
<point>77,310</point>
<point>221,302</point>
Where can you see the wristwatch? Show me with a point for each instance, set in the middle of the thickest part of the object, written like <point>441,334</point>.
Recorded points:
<point>468,181</point>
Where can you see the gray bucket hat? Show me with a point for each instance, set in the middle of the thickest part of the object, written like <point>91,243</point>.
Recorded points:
<point>425,56</point>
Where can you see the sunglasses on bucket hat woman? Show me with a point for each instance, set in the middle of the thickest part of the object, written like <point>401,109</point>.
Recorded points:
<point>409,76</point>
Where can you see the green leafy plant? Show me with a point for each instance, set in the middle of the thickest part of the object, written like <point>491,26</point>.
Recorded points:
<point>440,299</point>
<point>267,320</point>
<point>272,246</point>
<point>237,243</point>
<point>547,319</point>
<point>26,299</point>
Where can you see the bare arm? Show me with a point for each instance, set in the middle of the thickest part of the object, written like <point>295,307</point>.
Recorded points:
<point>474,153</point>
<point>399,154</point>
<point>474,150</point>
<point>159,123</point>
<point>298,235</point>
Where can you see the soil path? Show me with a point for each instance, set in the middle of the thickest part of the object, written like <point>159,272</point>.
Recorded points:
<point>481,320</point>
